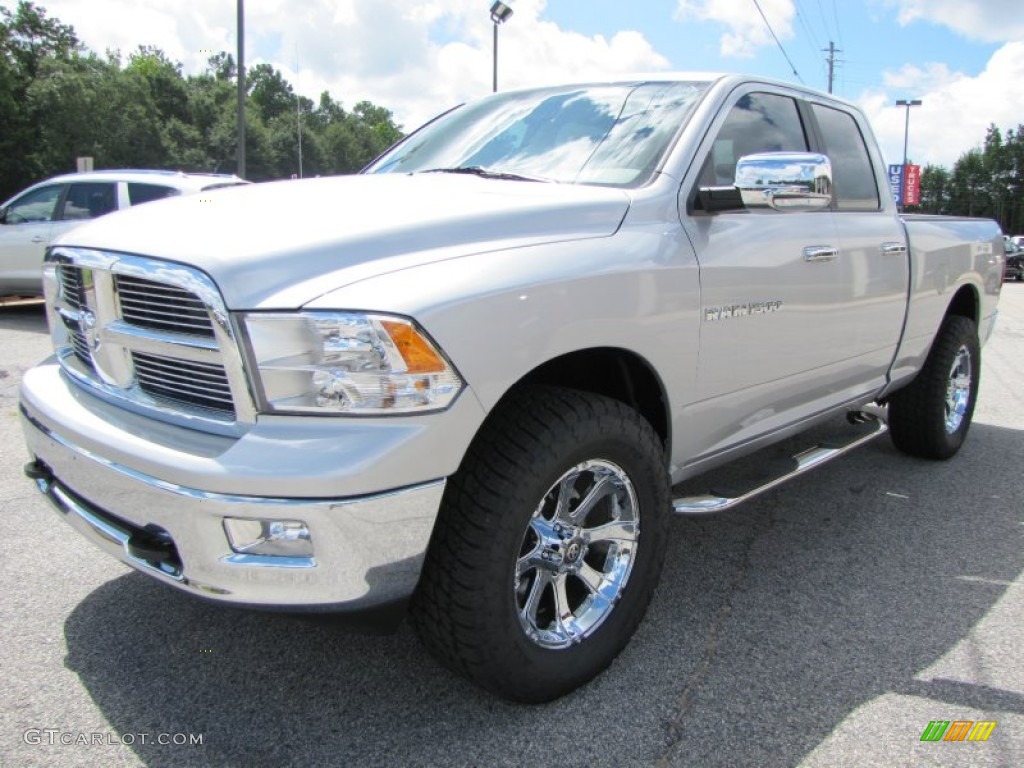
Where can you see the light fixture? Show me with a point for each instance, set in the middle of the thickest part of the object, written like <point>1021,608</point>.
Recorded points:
<point>500,13</point>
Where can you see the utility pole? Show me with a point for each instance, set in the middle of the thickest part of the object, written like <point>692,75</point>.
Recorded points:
<point>831,51</point>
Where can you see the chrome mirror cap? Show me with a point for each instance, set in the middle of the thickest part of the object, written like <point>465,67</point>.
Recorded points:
<point>785,181</point>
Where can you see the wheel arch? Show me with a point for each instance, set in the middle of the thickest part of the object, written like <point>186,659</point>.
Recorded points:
<point>613,372</point>
<point>966,303</point>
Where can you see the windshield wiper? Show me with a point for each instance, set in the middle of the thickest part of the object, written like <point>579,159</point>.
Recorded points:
<point>485,173</point>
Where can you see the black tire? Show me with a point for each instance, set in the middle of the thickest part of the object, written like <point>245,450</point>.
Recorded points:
<point>930,417</point>
<point>497,627</point>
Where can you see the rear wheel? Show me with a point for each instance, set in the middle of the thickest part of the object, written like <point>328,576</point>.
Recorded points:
<point>548,546</point>
<point>930,417</point>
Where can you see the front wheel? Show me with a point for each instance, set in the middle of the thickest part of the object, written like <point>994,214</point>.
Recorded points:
<point>548,546</point>
<point>930,417</point>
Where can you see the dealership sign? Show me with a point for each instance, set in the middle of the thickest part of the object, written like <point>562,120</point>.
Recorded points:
<point>896,182</point>
<point>905,182</point>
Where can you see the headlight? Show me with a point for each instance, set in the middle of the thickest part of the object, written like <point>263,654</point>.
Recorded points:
<point>347,362</point>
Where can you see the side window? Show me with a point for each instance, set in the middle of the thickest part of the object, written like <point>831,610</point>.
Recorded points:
<point>38,205</point>
<point>760,122</point>
<point>853,174</point>
<point>145,193</point>
<point>87,200</point>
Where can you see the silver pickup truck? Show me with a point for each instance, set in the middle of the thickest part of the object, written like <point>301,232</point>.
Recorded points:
<point>467,379</point>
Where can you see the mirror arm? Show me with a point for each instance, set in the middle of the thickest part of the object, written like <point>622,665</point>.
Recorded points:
<point>715,199</point>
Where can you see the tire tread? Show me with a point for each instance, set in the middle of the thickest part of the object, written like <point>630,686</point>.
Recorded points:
<point>521,435</point>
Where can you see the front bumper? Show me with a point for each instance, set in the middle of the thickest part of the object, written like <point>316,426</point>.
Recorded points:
<point>368,548</point>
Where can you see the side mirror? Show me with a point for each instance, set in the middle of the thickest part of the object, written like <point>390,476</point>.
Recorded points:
<point>785,181</point>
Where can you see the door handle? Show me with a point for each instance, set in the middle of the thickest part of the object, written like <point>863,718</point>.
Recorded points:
<point>814,253</point>
<point>894,249</point>
<point>38,239</point>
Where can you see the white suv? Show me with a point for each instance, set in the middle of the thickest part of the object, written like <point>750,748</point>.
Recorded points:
<point>32,219</point>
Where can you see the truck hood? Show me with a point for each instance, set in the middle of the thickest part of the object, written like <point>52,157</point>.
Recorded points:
<point>283,244</point>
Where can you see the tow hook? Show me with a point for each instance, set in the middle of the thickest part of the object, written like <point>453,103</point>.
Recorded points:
<point>37,470</point>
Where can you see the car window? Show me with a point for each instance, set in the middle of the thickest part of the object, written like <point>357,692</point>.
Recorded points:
<point>759,122</point>
<point>602,134</point>
<point>87,200</point>
<point>145,193</point>
<point>853,174</point>
<point>34,206</point>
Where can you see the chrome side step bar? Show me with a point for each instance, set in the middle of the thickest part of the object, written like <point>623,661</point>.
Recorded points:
<point>714,502</point>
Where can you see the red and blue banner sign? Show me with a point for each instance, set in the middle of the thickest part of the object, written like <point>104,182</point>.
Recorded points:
<point>896,183</point>
<point>905,182</point>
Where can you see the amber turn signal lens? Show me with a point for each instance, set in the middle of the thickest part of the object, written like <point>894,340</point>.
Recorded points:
<point>416,351</point>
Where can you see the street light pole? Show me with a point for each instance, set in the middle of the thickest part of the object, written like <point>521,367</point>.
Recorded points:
<point>906,132</point>
<point>241,89</point>
<point>500,13</point>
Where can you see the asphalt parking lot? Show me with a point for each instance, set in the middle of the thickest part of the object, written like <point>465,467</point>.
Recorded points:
<point>825,624</point>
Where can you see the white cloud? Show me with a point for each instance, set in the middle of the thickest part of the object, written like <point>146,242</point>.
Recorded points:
<point>415,58</point>
<point>992,21</point>
<point>912,78</point>
<point>747,30</point>
<point>956,111</point>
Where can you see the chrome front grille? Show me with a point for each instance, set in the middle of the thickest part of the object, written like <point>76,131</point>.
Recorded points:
<point>71,285</point>
<point>196,384</point>
<point>150,335</point>
<point>161,307</point>
<point>72,289</point>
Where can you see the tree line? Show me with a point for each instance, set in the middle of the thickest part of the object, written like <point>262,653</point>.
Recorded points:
<point>986,181</point>
<point>60,101</point>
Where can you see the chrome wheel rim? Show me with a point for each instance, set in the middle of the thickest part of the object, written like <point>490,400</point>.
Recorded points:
<point>576,554</point>
<point>958,390</point>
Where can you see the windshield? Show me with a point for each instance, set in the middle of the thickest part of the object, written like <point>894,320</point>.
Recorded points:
<point>603,134</point>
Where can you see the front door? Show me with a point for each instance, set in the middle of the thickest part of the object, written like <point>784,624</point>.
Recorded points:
<point>782,301</point>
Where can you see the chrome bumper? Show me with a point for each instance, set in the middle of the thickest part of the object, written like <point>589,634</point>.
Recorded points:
<point>367,551</point>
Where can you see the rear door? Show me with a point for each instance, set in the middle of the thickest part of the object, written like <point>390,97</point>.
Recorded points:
<point>873,246</point>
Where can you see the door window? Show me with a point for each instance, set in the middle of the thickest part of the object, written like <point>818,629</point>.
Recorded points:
<point>87,200</point>
<point>145,193</point>
<point>759,122</point>
<point>37,205</point>
<point>853,174</point>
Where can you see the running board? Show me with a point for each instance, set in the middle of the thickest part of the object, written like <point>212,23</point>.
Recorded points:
<point>867,427</point>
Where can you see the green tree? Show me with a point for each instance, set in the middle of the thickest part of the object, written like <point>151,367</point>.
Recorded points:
<point>93,108</point>
<point>59,101</point>
<point>969,193</point>
<point>934,189</point>
<point>163,81</point>
<point>270,92</point>
<point>27,39</point>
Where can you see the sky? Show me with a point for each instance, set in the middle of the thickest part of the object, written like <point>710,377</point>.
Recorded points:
<point>964,59</point>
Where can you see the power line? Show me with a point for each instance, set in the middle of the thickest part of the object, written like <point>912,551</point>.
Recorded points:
<point>802,18</point>
<point>824,21</point>
<point>839,28</point>
<point>775,37</point>
<point>809,36</point>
